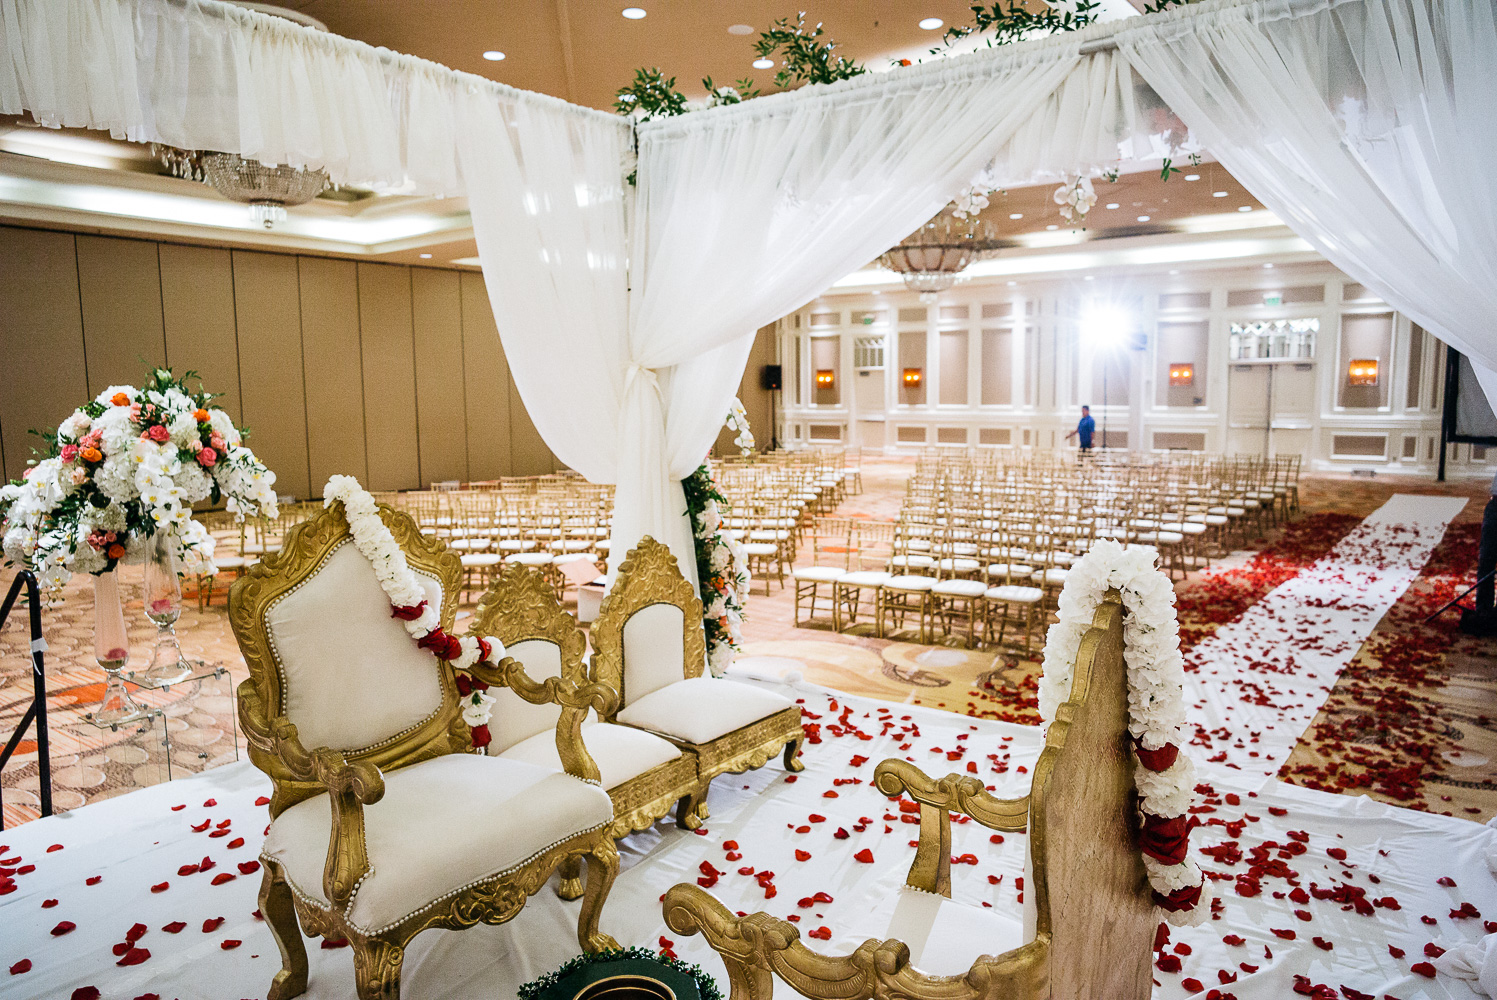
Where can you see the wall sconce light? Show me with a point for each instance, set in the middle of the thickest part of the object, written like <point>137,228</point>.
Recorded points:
<point>1182,374</point>
<point>1362,371</point>
<point>825,378</point>
<point>911,377</point>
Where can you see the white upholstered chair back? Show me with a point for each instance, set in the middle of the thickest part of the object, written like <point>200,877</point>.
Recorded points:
<point>654,650</point>
<point>351,676</point>
<point>516,719</point>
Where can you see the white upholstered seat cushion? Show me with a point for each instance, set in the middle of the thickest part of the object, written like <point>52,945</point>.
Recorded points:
<point>530,558</point>
<point>351,676</point>
<point>818,574</point>
<point>701,709</point>
<point>442,824</point>
<point>915,584</point>
<point>960,588</point>
<point>946,937</point>
<point>1015,594</point>
<point>867,578</point>
<point>621,752</point>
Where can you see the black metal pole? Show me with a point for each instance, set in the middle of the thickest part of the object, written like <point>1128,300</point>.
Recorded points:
<point>37,711</point>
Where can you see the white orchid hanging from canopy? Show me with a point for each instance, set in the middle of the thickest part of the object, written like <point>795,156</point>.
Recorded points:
<point>1075,198</point>
<point>124,466</point>
<point>738,422</point>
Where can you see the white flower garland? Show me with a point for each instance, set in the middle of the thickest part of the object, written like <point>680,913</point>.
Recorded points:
<point>1156,699</point>
<point>421,621</point>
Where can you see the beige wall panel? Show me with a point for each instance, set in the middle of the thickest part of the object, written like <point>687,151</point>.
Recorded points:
<point>271,378</point>
<point>41,339</point>
<point>119,282</point>
<point>335,386</point>
<point>1181,343</point>
<point>486,383</point>
<point>197,303</point>
<point>997,367</point>
<point>389,377</point>
<point>437,317</point>
<point>826,356</point>
<point>954,368</point>
<point>1365,337</point>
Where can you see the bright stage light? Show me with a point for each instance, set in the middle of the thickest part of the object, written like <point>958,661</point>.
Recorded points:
<point>1104,325</point>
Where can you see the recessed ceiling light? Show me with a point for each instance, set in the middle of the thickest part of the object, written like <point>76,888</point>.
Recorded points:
<point>426,256</point>
<point>1268,265</point>
<point>1016,215</point>
<point>763,64</point>
<point>1012,284</point>
<point>1143,218</point>
<point>1192,177</point>
<point>1174,270</point>
<point>931,23</point>
<point>1090,277</point>
<point>633,13</point>
<point>493,55</point>
<point>1112,204</point>
<point>1245,208</point>
<point>1218,194</point>
<point>1051,228</point>
<point>740,29</point>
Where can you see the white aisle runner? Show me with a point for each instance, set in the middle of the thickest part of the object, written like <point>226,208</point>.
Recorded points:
<point>138,842</point>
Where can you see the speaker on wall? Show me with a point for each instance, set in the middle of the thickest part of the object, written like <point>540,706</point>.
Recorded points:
<point>769,377</point>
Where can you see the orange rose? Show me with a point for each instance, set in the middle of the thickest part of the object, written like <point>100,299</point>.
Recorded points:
<point>91,455</point>
<point>116,551</point>
<point>201,416</point>
<point>120,399</point>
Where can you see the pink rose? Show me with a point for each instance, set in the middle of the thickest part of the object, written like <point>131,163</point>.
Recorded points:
<point>135,412</point>
<point>159,434</point>
<point>216,440</point>
<point>207,458</point>
<point>69,452</point>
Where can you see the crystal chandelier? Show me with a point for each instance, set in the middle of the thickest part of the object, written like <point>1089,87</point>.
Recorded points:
<point>932,257</point>
<point>267,190</point>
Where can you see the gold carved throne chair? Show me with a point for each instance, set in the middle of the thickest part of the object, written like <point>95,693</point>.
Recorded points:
<point>1087,922</point>
<point>649,646</point>
<point>384,822</point>
<point>644,774</point>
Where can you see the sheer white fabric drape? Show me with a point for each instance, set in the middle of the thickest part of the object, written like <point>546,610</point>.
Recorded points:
<point>1368,126</point>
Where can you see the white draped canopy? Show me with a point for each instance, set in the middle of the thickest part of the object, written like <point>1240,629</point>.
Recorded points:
<point>626,311</point>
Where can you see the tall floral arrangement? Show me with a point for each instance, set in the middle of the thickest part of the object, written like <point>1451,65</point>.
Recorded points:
<point>124,466</point>
<point>722,569</point>
<point>1164,776</point>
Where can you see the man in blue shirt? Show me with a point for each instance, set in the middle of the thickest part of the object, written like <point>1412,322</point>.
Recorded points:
<point>1084,429</point>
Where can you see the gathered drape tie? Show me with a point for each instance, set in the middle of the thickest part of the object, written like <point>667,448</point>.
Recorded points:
<point>650,375</point>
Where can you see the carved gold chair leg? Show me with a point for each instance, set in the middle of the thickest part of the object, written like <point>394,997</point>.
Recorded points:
<point>691,809</point>
<point>792,754</point>
<point>376,968</point>
<point>602,869</point>
<point>570,871</point>
<point>280,914</point>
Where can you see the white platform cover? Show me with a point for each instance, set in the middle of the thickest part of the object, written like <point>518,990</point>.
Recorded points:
<point>137,841</point>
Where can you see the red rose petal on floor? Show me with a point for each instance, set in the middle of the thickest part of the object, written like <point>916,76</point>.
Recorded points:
<point>85,993</point>
<point>1168,963</point>
<point>187,870</point>
<point>212,924</point>
<point>218,833</point>
<point>1423,969</point>
<point>135,933</point>
<point>161,886</point>
<point>1286,935</point>
<point>47,904</point>
<point>803,829</point>
<point>829,794</point>
<point>1302,914</point>
<point>202,826</point>
<point>335,943</point>
<point>789,779</point>
<point>248,867</point>
<point>841,834</point>
<point>730,845</point>
<point>207,864</point>
<point>1432,950</point>
<point>1396,952</point>
<point>263,800</point>
<point>121,948</point>
<point>1322,943</point>
<point>223,877</point>
<point>1276,811</point>
<point>1192,985</point>
<point>95,880</point>
<point>149,996</point>
<point>260,916</point>
<point>134,956</point>
<point>1351,994</point>
<point>210,803</point>
<point>174,927</point>
<point>1233,939</point>
<point>236,842</point>
<point>24,965</point>
<point>865,856</point>
<point>820,934</point>
<point>179,808</point>
<point>229,944</point>
<point>63,927</point>
<point>1336,852</point>
<point>802,855</point>
<point>54,847</point>
<point>1446,881</point>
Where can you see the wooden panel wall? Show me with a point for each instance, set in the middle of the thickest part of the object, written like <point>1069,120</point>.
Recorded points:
<point>392,374</point>
<point>41,339</point>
